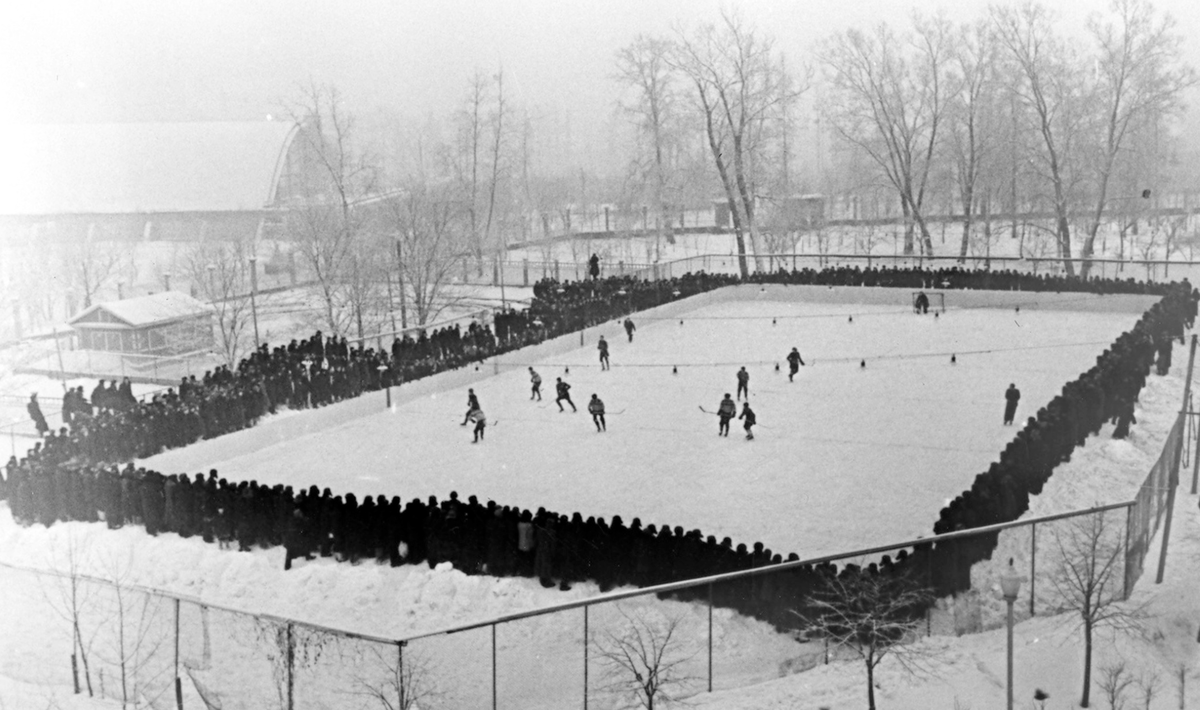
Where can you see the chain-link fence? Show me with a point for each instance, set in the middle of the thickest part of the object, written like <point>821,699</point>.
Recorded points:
<point>162,650</point>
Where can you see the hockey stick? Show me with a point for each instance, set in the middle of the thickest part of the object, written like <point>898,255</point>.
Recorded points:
<point>702,409</point>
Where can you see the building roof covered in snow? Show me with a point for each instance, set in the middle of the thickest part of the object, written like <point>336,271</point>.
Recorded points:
<point>143,312</point>
<point>141,168</point>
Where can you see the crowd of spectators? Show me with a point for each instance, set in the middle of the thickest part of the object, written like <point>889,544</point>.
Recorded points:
<point>78,474</point>
<point>956,277</point>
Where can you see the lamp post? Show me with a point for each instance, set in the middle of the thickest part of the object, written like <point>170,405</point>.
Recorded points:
<point>1010,586</point>
<point>253,294</point>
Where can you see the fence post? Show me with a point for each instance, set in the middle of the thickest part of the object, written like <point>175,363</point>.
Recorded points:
<point>710,606</point>
<point>1128,532</point>
<point>400,668</point>
<point>1173,474</point>
<point>525,272</point>
<point>1196,461</point>
<point>1032,568</point>
<point>585,630</point>
<point>291,660</point>
<point>493,667</point>
<point>178,682</point>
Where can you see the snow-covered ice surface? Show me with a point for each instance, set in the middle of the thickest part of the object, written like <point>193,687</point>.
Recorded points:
<point>539,661</point>
<point>844,457</point>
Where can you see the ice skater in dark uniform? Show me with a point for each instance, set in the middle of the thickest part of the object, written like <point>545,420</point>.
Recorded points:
<point>629,328</point>
<point>603,348</point>
<point>596,408</point>
<point>794,363</point>
<point>725,412</point>
<point>476,415</point>
<point>1012,395</point>
<point>563,394</point>
<point>751,420</point>
<point>921,304</point>
<point>536,381</point>
<point>472,405</point>
<point>743,379</point>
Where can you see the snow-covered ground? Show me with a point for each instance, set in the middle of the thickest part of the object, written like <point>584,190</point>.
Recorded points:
<point>908,400</point>
<point>844,457</point>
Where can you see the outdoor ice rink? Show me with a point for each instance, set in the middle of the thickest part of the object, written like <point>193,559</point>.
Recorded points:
<point>845,457</point>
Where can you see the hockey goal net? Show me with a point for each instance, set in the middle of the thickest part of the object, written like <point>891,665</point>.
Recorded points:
<point>936,301</point>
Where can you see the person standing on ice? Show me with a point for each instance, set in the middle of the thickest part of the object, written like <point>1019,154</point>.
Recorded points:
<point>476,415</point>
<point>603,348</point>
<point>748,415</point>
<point>594,267</point>
<point>596,409</point>
<point>629,328</point>
<point>563,394</point>
<point>794,363</point>
<point>536,380</point>
<point>743,379</point>
<point>472,405</point>
<point>1012,395</point>
<point>725,412</point>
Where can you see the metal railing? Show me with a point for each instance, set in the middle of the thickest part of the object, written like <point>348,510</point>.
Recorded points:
<point>246,658</point>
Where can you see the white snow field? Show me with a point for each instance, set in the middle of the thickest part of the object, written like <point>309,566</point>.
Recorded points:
<point>844,457</point>
<point>539,661</point>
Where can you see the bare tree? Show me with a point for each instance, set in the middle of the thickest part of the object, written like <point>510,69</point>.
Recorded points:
<point>1140,76</point>
<point>327,223</point>
<point>1148,684</point>
<point>396,681</point>
<point>872,614</point>
<point>72,598</point>
<point>890,101</point>
<point>1089,582</point>
<point>1115,681</point>
<point>973,114</point>
<point>739,80</point>
<point>1048,82</point>
<point>131,636</point>
<point>221,273</point>
<point>90,265</point>
<point>642,663</point>
<point>644,65</point>
<point>429,224</point>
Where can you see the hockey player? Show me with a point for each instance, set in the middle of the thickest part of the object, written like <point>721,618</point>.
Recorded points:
<point>629,328</point>
<point>748,415</point>
<point>743,379</point>
<point>726,411</point>
<point>1012,395</point>
<point>794,363</point>
<point>472,405</point>
<point>536,380</point>
<point>603,348</point>
<point>596,408</point>
<point>921,304</point>
<point>476,415</point>
<point>563,394</point>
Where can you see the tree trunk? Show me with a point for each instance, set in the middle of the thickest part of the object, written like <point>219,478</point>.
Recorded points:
<point>1087,665</point>
<point>908,226</point>
<point>870,684</point>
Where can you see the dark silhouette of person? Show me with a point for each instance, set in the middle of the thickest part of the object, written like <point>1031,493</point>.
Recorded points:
<point>1011,396</point>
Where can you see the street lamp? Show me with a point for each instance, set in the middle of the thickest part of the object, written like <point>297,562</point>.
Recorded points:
<point>1010,586</point>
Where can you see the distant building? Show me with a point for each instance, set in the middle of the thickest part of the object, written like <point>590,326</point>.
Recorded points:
<point>168,323</point>
<point>147,181</point>
<point>792,213</point>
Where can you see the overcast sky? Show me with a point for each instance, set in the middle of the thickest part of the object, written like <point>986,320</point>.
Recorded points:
<point>171,60</point>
